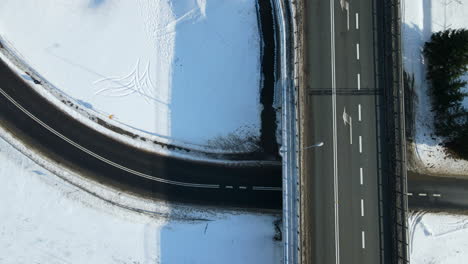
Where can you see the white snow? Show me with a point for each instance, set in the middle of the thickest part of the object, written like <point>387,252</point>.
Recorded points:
<point>155,144</point>
<point>187,70</point>
<point>438,238</point>
<point>421,19</point>
<point>48,220</point>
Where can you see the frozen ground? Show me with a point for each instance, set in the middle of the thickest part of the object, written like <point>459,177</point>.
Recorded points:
<point>187,70</point>
<point>47,220</point>
<point>421,19</point>
<point>438,238</point>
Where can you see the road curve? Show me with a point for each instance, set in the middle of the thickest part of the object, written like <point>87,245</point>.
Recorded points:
<point>42,126</point>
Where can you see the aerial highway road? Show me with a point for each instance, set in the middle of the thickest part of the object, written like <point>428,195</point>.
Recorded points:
<point>43,127</point>
<point>340,203</point>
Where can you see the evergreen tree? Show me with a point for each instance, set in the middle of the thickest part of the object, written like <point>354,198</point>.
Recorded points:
<point>447,56</point>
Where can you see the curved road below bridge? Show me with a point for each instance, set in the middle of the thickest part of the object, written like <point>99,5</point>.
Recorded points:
<point>43,127</point>
<point>53,133</point>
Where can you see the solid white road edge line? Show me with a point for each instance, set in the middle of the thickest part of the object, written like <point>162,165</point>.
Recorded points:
<point>261,188</point>
<point>143,175</point>
<point>335,147</point>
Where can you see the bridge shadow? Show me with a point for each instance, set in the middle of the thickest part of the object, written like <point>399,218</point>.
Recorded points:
<point>221,238</point>
<point>213,78</point>
<point>414,37</point>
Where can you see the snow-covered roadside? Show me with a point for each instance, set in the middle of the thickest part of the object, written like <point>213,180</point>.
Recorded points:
<point>161,147</point>
<point>184,71</point>
<point>438,238</point>
<point>48,220</point>
<point>421,19</point>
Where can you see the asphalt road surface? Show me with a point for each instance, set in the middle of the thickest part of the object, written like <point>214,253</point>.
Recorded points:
<point>53,133</point>
<point>340,178</point>
<point>437,193</point>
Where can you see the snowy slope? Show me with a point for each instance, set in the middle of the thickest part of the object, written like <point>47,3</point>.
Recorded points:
<point>421,19</point>
<point>187,70</point>
<point>438,238</point>
<point>47,220</point>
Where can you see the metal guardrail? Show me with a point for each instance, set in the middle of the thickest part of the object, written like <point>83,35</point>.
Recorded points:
<point>394,185</point>
<point>288,81</point>
<point>394,190</point>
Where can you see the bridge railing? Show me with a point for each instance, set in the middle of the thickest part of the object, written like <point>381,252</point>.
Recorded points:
<point>393,140</point>
<point>286,28</point>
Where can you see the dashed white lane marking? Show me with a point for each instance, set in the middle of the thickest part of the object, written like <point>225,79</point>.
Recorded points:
<point>362,207</point>
<point>357,51</point>
<point>363,239</point>
<point>410,194</point>
<point>243,187</point>
<point>422,194</point>
<point>437,195</point>
<point>360,144</point>
<point>229,187</point>
<point>361,176</point>
<point>357,20</point>
<point>89,152</point>
<point>359,112</point>
<point>359,81</point>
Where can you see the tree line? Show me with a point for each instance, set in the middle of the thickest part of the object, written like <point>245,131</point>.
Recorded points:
<point>447,56</point>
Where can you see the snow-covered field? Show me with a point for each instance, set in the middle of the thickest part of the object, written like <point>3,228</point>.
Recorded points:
<point>45,219</point>
<point>421,19</point>
<point>187,70</point>
<point>438,238</point>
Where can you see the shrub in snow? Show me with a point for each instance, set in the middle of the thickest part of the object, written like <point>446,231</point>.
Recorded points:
<point>447,54</point>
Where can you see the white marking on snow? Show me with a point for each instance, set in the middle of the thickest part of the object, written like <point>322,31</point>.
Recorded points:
<point>136,82</point>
